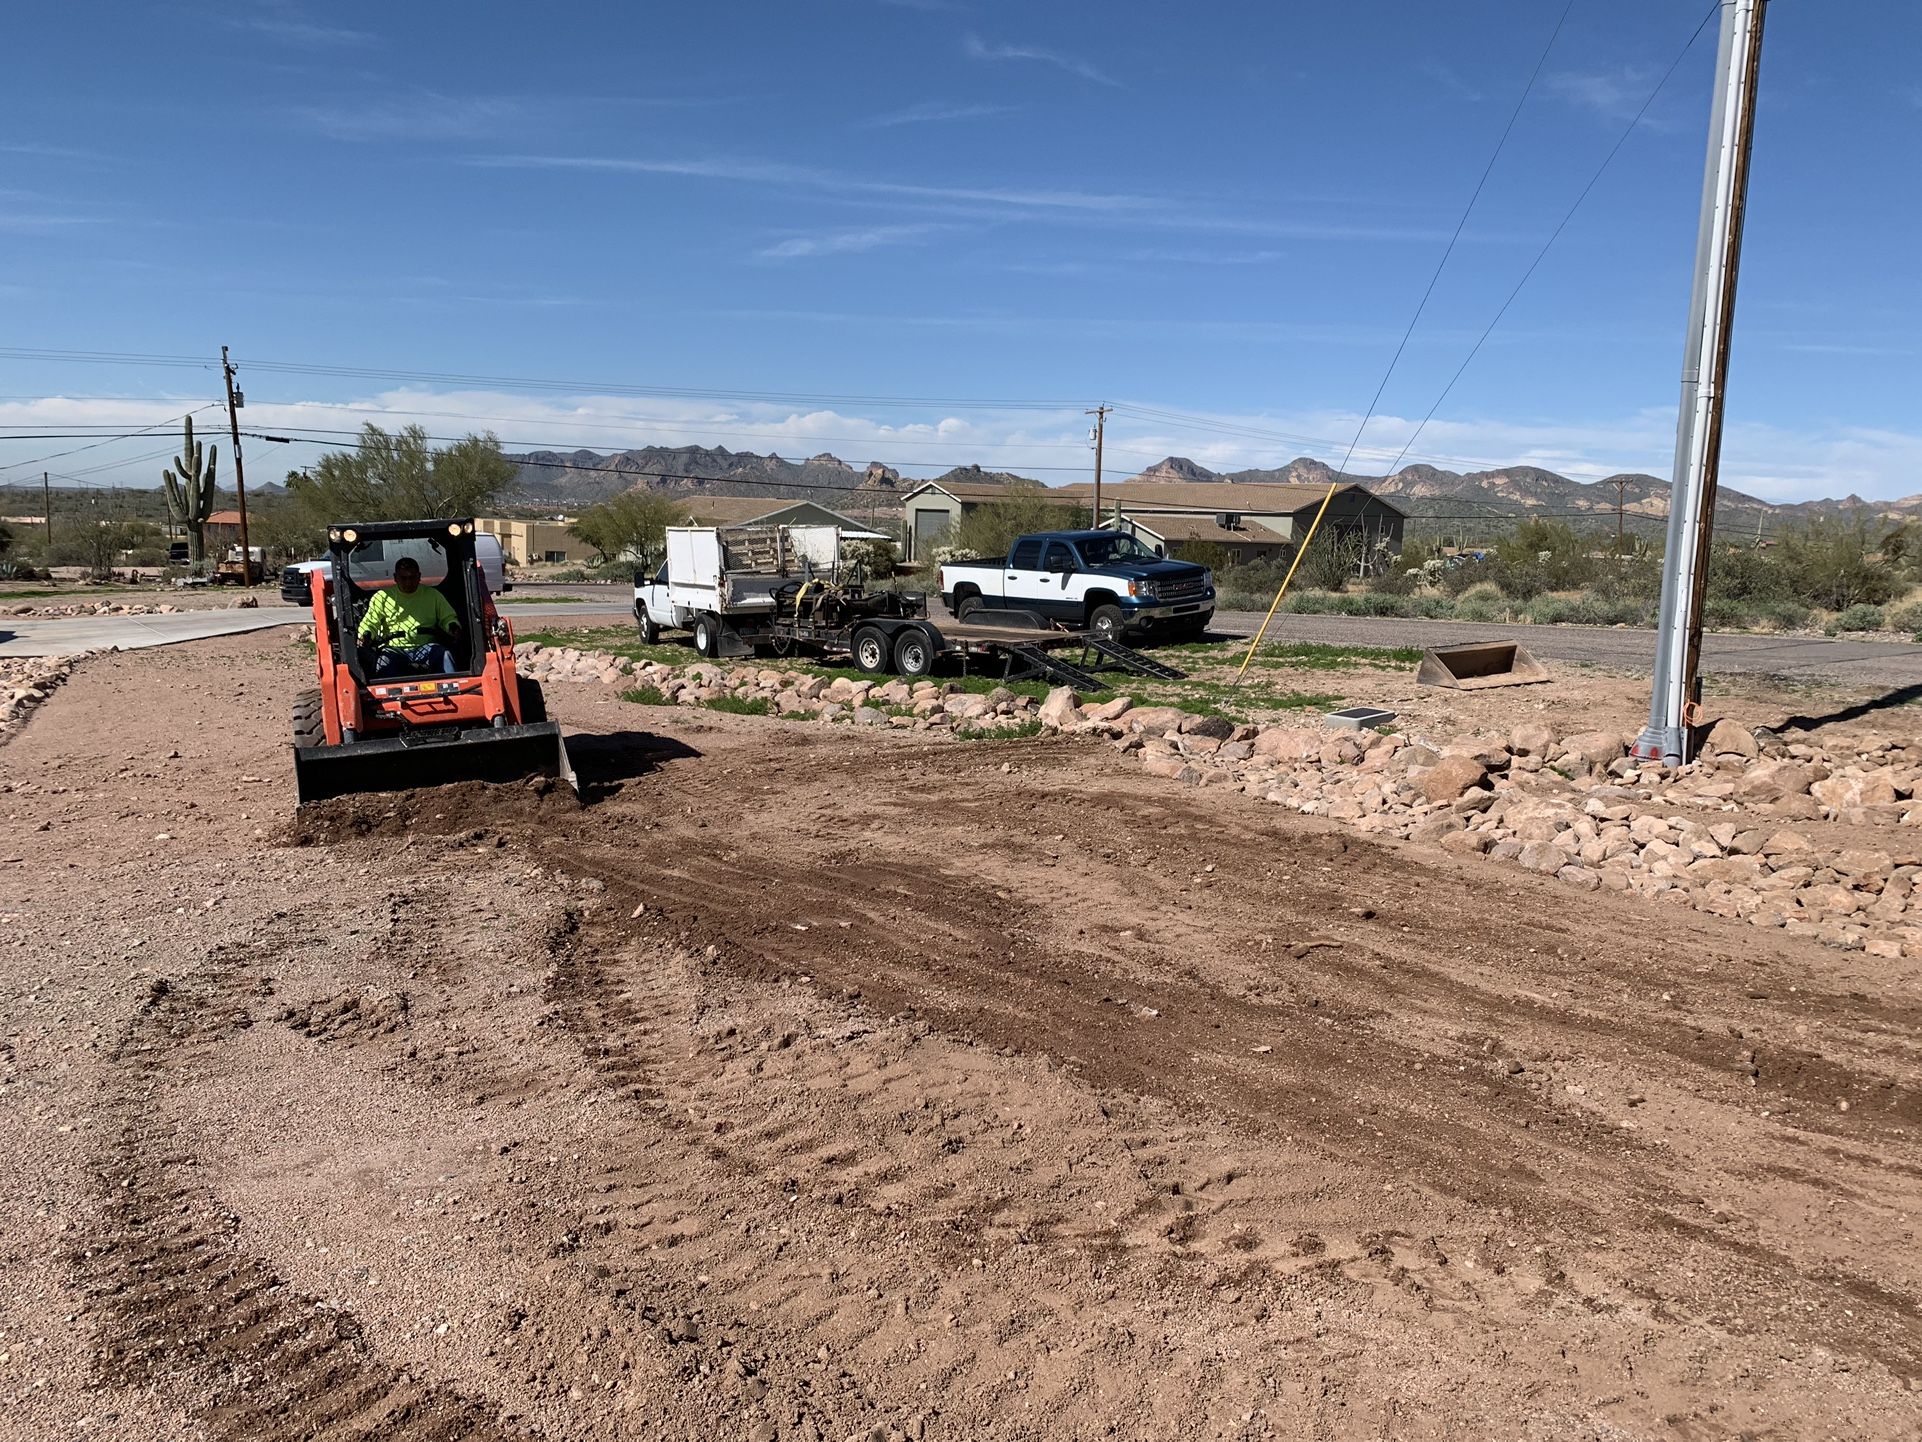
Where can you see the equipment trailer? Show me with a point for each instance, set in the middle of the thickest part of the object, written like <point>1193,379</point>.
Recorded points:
<point>781,592</point>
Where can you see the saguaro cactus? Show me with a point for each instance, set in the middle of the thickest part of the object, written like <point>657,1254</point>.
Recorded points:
<point>190,494</point>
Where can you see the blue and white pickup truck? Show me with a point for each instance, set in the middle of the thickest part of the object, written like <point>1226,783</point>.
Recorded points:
<point>1106,581</point>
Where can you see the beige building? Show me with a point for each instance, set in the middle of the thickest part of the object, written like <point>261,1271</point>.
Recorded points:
<point>531,543</point>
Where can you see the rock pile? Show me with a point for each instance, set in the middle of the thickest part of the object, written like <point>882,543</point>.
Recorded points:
<point>25,682</point>
<point>93,608</point>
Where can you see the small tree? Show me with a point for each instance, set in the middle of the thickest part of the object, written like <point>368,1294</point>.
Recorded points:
<point>1845,561</point>
<point>398,476</point>
<point>190,494</point>
<point>989,529</point>
<point>633,523</point>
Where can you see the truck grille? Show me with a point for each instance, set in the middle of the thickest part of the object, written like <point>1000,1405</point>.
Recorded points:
<point>1182,588</point>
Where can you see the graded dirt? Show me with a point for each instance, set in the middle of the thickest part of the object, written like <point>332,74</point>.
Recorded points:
<point>816,1083</point>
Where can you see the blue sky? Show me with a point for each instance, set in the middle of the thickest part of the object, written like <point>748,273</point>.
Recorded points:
<point>808,227</point>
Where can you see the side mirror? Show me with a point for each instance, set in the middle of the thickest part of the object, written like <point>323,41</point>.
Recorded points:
<point>1161,550</point>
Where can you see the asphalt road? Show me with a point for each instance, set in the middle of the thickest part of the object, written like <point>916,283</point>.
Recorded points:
<point>1866,664</point>
<point>1807,658</point>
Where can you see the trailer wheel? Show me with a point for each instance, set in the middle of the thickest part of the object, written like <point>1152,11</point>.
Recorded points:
<point>707,634</point>
<point>533,701</point>
<point>310,729</point>
<point>913,653</point>
<point>1107,622</point>
<point>650,630</point>
<point>871,650</point>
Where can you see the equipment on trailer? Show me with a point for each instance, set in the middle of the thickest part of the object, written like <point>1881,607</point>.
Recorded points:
<point>371,727</point>
<point>784,590</point>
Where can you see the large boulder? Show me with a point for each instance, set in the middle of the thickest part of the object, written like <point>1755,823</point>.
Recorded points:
<point>1597,748</point>
<point>1288,743</point>
<point>1452,777</point>
<point>1218,728</point>
<point>1154,720</point>
<point>1771,781</point>
<point>1531,738</point>
<point>1725,738</point>
<point>1110,710</point>
<point>1062,708</point>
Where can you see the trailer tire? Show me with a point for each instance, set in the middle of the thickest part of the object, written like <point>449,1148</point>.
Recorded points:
<point>707,634</point>
<point>1107,622</point>
<point>871,651</point>
<point>650,630</point>
<point>310,726</point>
<point>913,652</point>
<point>533,701</point>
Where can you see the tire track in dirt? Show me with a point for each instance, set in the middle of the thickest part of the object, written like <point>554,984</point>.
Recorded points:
<point>178,1305</point>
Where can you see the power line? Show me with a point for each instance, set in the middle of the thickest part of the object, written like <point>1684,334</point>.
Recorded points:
<point>109,440</point>
<point>1620,141</point>
<point>1467,210</point>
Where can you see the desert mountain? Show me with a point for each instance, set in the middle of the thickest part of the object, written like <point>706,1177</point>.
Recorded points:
<point>583,477</point>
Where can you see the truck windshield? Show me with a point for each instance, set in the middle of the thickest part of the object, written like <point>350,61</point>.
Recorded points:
<point>1104,550</point>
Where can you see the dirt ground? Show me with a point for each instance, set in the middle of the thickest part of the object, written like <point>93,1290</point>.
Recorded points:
<point>819,1083</point>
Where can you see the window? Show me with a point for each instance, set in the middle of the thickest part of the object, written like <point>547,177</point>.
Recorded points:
<point>1060,558</point>
<point>1027,555</point>
<point>555,556</point>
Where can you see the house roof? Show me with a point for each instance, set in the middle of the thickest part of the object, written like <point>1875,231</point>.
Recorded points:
<point>224,518</point>
<point>979,492</point>
<point>1213,496</point>
<point>1203,528</point>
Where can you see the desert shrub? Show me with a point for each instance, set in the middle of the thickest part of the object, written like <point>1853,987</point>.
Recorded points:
<point>1858,618</point>
<point>575,573</point>
<point>1905,618</point>
<point>1479,605</point>
<point>1841,562</point>
<point>878,559</point>
<point>1203,553</point>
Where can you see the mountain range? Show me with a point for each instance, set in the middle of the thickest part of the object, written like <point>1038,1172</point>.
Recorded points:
<point>582,477</point>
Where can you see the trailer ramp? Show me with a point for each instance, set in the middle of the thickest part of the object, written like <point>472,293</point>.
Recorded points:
<point>1046,663</point>
<point>1129,659</point>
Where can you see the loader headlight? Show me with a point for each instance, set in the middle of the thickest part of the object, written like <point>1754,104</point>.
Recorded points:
<point>334,534</point>
<point>350,536</point>
<point>454,529</point>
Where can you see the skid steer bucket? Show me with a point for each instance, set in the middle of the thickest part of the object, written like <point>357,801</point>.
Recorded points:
<point>1479,666</point>
<point>433,758</point>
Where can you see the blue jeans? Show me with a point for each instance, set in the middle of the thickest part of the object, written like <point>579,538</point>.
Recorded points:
<point>422,660</point>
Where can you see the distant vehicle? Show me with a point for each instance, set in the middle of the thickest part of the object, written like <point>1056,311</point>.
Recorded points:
<point>295,588</point>
<point>1106,581</point>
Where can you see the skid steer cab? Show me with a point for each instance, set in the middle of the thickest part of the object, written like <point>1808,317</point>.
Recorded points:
<point>422,693</point>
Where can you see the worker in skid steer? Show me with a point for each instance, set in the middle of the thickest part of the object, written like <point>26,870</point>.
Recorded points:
<point>404,620</point>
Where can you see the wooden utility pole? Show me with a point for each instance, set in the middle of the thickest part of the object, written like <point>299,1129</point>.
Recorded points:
<point>1621,498</point>
<point>240,474</point>
<point>46,500</point>
<point>1100,414</point>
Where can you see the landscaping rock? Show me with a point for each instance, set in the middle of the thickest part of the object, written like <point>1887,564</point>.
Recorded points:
<point>1727,738</point>
<point>1452,777</point>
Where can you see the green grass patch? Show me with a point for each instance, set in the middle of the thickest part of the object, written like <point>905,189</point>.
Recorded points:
<point>539,600</point>
<point>741,705</point>
<point>645,695</point>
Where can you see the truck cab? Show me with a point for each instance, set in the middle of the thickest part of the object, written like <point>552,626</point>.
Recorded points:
<point>1105,581</point>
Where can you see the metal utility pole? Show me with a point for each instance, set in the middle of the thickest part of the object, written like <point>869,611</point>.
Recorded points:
<point>240,474</point>
<point>1100,414</point>
<point>1674,703</point>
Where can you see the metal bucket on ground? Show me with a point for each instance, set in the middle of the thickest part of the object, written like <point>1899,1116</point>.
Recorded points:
<point>433,758</point>
<point>1479,666</point>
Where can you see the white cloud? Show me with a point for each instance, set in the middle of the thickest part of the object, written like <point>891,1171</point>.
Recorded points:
<point>978,49</point>
<point>1777,463</point>
<point>802,177</point>
<point>284,21</point>
<point>928,111</point>
<point>845,242</point>
<point>1617,94</point>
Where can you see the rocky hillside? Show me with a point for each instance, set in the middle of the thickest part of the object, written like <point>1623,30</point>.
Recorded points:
<point>556,478</point>
<point>1424,490</point>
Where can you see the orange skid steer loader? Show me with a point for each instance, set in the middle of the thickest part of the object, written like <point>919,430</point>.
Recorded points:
<point>384,719</point>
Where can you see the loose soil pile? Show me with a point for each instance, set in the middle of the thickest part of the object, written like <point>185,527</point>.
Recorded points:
<point>819,1082</point>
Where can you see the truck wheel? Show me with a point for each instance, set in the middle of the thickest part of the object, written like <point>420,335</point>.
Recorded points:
<point>1107,622</point>
<point>913,653</point>
<point>707,634</point>
<point>309,727</point>
<point>871,650</point>
<point>650,632</point>
<point>966,606</point>
<point>533,701</point>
